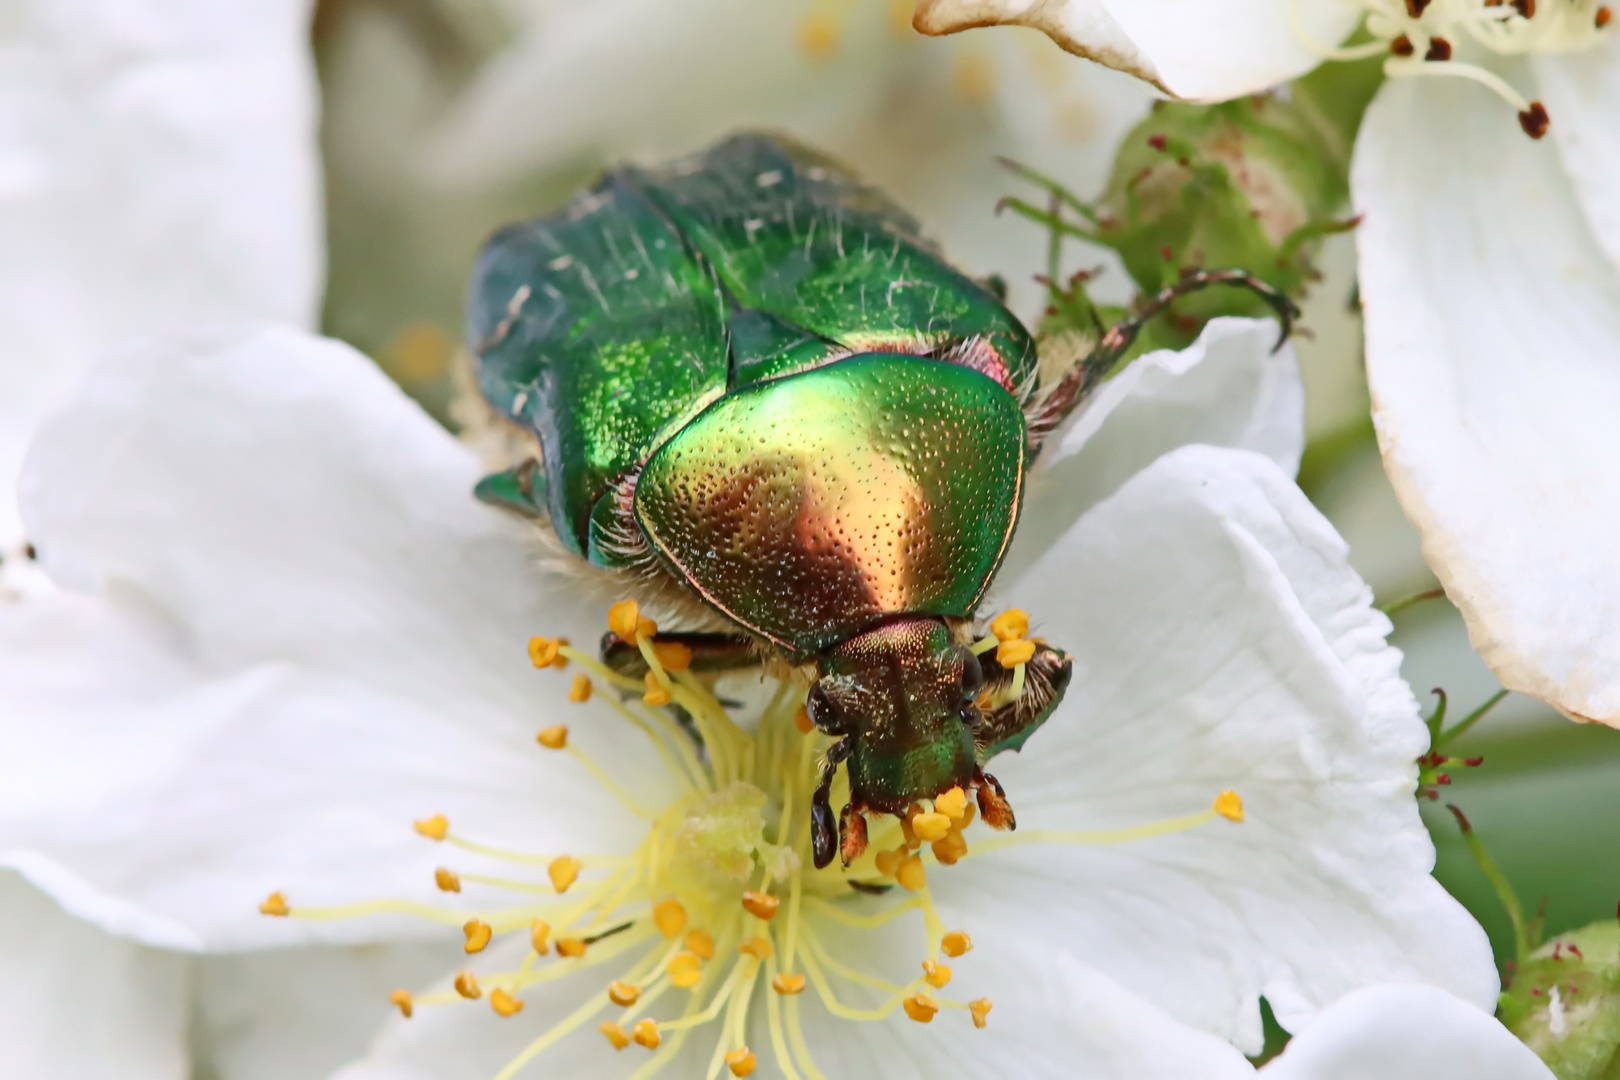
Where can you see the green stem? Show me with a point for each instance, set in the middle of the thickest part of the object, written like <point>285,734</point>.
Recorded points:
<point>1407,601</point>
<point>1470,720</point>
<point>1504,891</point>
<point>1057,190</point>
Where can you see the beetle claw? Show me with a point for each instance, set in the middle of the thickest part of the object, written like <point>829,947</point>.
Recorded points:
<point>852,831</point>
<point>823,834</point>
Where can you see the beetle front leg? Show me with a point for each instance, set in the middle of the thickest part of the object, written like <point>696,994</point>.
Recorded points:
<point>851,833</point>
<point>994,809</point>
<point>823,837</point>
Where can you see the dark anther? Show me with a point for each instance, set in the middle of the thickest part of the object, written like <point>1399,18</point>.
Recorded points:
<point>1416,8</point>
<point>1604,14</point>
<point>1535,120</point>
<point>1157,142</point>
<point>1401,46</point>
<point>30,552</point>
<point>1527,8</point>
<point>1439,49</point>
<point>1167,253</point>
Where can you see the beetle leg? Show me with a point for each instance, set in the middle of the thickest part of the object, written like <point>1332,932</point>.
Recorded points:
<point>711,653</point>
<point>851,833</point>
<point>822,836</point>
<point>993,806</point>
<point>1077,384</point>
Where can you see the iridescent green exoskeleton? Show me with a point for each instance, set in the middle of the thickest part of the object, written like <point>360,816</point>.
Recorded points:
<point>752,379</point>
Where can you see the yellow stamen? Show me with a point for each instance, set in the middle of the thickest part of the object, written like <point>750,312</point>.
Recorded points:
<point>436,827</point>
<point>543,651</point>
<point>623,994</point>
<point>980,1008</point>
<point>670,917</point>
<point>950,849</point>
<point>911,874</point>
<point>503,1003</point>
<point>446,880</point>
<point>539,936</point>
<point>956,943</point>
<point>757,947</point>
<point>936,974</point>
<point>615,1034</point>
<point>623,618</point>
<point>555,737</point>
<point>788,984</point>
<point>975,77</point>
<point>571,947</point>
<point>467,986</point>
<point>700,943</point>
<point>685,969</point>
<point>741,1061</point>
<point>478,934</point>
<point>657,693</point>
<point>580,692</point>
<point>888,862</point>
<point>913,841</point>
<point>673,655</point>
<point>646,628</point>
<point>1010,625</point>
<point>931,827</point>
<point>563,872</point>
<point>819,39</point>
<point>402,999</point>
<point>1010,654</point>
<point>920,1007</point>
<point>1229,805</point>
<point>801,720</point>
<point>760,905</point>
<point>953,803</point>
<point>274,904</point>
<point>646,1034</point>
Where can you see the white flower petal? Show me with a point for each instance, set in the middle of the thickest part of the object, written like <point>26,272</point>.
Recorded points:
<point>300,1012</point>
<point>1208,51</point>
<point>1493,326</point>
<point>1405,1033</point>
<point>77,1003</point>
<point>1221,641</point>
<point>158,165</point>
<point>1582,93</point>
<point>1231,387</point>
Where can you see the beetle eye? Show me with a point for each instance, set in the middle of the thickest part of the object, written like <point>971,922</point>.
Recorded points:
<point>823,713</point>
<point>972,675</point>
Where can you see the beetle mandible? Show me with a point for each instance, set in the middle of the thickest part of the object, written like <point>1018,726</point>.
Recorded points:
<point>756,387</point>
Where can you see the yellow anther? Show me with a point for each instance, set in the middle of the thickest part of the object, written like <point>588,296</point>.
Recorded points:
<point>956,943</point>
<point>788,984</point>
<point>801,720</point>
<point>670,917</point>
<point>1012,653</point>
<point>950,849</point>
<point>741,1061</point>
<point>571,947</point>
<point>920,1007</point>
<point>757,947</point>
<point>556,736</point>
<point>760,905</point>
<point>913,841</point>
<point>467,986</point>
<point>673,655</point>
<point>401,999</point>
<point>931,826</point>
<point>646,1033</point>
<point>543,651</point>
<point>819,36</point>
<point>646,628</point>
<point>446,880</point>
<point>623,994</point>
<point>1010,625</point>
<point>622,620</point>
<point>580,692</point>
<point>911,874</point>
<point>436,827</point>
<point>685,969</point>
<point>965,820</point>
<point>615,1034</point>
<point>563,872</point>
<point>561,661</point>
<point>503,1003</point>
<point>657,693</point>
<point>980,1008</point>
<point>953,803</point>
<point>540,936</point>
<point>889,861</point>
<point>936,974</point>
<point>1229,805</point>
<point>478,934</point>
<point>699,942</point>
<point>274,904</point>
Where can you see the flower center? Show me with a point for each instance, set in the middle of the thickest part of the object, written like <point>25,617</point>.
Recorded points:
<point>674,938</point>
<point>1419,36</point>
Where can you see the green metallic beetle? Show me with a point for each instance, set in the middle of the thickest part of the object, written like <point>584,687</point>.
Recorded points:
<point>756,386</point>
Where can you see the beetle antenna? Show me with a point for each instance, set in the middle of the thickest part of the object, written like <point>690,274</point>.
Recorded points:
<point>1079,381</point>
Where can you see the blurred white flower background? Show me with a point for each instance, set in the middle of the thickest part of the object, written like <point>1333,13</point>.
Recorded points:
<point>169,169</point>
